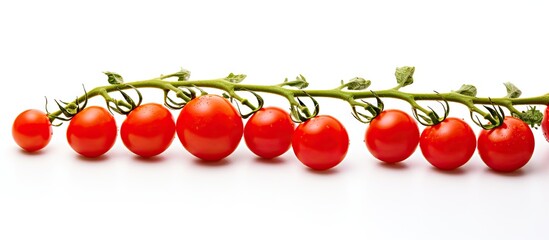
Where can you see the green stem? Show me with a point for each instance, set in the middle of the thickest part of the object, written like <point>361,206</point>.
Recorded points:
<point>290,94</point>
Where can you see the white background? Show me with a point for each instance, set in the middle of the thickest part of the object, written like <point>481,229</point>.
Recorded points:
<point>50,48</point>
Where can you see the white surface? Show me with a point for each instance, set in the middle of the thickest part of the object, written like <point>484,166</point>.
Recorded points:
<point>52,47</point>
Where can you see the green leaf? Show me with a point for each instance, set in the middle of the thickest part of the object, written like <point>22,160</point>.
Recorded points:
<point>404,75</point>
<point>358,83</point>
<point>300,82</point>
<point>512,90</point>
<point>114,78</point>
<point>467,90</point>
<point>531,116</point>
<point>183,75</point>
<point>235,78</point>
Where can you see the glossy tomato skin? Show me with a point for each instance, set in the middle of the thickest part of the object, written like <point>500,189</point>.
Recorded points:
<point>268,132</point>
<point>209,127</point>
<point>392,136</point>
<point>449,144</point>
<point>507,147</point>
<point>32,130</point>
<point>92,132</point>
<point>321,142</point>
<point>148,130</point>
<point>545,124</point>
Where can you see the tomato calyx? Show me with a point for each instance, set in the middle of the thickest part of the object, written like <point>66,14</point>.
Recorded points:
<point>237,100</point>
<point>299,112</point>
<point>495,117</point>
<point>185,93</point>
<point>431,118</point>
<point>373,110</point>
<point>531,116</point>
<point>123,107</point>
<point>69,110</point>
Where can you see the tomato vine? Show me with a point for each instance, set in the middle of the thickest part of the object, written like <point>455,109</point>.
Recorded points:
<point>352,91</point>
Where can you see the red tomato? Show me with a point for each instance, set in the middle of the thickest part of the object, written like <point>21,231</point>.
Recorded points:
<point>31,130</point>
<point>148,130</point>
<point>507,147</point>
<point>209,127</point>
<point>92,132</point>
<point>545,124</point>
<point>392,136</point>
<point>268,133</point>
<point>449,144</point>
<point>321,142</point>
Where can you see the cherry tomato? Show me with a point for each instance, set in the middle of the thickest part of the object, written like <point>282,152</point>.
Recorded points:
<point>31,130</point>
<point>507,147</point>
<point>392,136</point>
<point>321,142</point>
<point>209,127</point>
<point>545,124</point>
<point>268,133</point>
<point>92,132</point>
<point>449,144</point>
<point>148,130</point>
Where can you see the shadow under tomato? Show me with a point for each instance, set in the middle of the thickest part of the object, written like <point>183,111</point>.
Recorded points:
<point>204,163</point>
<point>99,159</point>
<point>328,172</point>
<point>270,161</point>
<point>35,153</point>
<point>395,166</point>
<point>455,172</point>
<point>517,173</point>
<point>149,160</point>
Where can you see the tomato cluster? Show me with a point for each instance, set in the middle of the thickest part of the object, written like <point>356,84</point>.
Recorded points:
<point>393,136</point>
<point>210,128</point>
